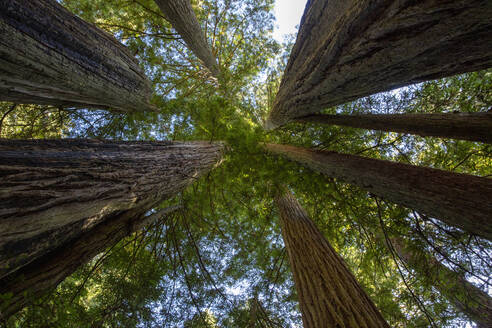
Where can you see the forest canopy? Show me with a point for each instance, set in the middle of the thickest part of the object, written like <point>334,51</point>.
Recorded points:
<point>218,258</point>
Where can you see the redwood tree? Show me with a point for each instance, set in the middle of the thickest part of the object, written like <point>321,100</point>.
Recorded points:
<point>466,297</point>
<point>346,50</point>
<point>182,17</point>
<point>460,200</point>
<point>50,56</point>
<point>329,295</point>
<point>52,191</point>
<point>465,126</point>
<point>45,273</point>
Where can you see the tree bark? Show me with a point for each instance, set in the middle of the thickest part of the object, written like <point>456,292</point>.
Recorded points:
<point>44,274</point>
<point>182,17</point>
<point>329,295</point>
<point>50,56</point>
<point>467,298</point>
<point>346,50</point>
<point>464,126</point>
<point>51,191</point>
<point>460,200</point>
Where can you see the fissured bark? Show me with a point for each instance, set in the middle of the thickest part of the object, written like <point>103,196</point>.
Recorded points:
<point>346,50</point>
<point>460,200</point>
<point>50,56</point>
<point>329,295</point>
<point>464,126</point>
<point>182,17</point>
<point>51,191</point>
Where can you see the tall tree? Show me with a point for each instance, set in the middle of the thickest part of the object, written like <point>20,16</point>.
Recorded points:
<point>329,295</point>
<point>351,49</point>
<point>182,17</point>
<point>466,297</point>
<point>465,126</point>
<point>54,190</point>
<point>45,273</point>
<point>460,200</point>
<point>50,56</point>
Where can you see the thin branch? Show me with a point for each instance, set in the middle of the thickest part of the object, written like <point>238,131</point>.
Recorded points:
<point>11,109</point>
<point>394,255</point>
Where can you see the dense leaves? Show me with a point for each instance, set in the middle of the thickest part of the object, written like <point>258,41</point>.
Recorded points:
<point>220,261</point>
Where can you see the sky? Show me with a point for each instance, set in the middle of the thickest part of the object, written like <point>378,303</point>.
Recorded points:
<point>288,14</point>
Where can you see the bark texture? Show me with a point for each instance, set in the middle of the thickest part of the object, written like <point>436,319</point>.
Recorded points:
<point>51,191</point>
<point>460,200</point>
<point>44,274</point>
<point>464,126</point>
<point>182,17</point>
<point>346,50</point>
<point>467,298</point>
<point>329,295</point>
<point>50,56</point>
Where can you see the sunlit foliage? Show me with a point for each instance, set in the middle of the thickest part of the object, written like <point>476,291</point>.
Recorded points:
<point>220,261</point>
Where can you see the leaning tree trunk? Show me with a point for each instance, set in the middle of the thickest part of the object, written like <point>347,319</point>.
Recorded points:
<point>182,17</point>
<point>50,56</point>
<point>467,298</point>
<point>51,191</point>
<point>465,126</point>
<point>329,295</point>
<point>460,200</point>
<point>42,275</point>
<point>350,49</point>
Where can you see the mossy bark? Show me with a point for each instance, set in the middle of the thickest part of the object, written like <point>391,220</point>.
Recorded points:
<point>329,295</point>
<point>183,19</point>
<point>460,200</point>
<point>346,50</point>
<point>50,56</point>
<point>463,126</point>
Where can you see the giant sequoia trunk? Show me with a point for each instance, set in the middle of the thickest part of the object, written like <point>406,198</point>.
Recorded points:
<point>467,298</point>
<point>51,191</point>
<point>350,49</point>
<point>460,200</point>
<point>50,56</point>
<point>465,126</point>
<point>45,273</point>
<point>182,17</point>
<point>329,295</point>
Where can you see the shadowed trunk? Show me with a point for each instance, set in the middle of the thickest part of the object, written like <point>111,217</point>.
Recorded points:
<point>50,56</point>
<point>44,274</point>
<point>467,298</point>
<point>183,19</point>
<point>346,50</point>
<point>464,126</point>
<point>460,200</point>
<point>329,295</point>
<point>51,191</point>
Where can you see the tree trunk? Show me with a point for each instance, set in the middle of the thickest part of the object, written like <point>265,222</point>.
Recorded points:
<point>183,19</point>
<point>50,56</point>
<point>329,295</point>
<point>346,50</point>
<point>460,200</point>
<point>467,298</point>
<point>42,275</point>
<point>51,191</point>
<point>464,126</point>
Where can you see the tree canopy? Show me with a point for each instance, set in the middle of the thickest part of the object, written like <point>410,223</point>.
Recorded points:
<point>220,261</point>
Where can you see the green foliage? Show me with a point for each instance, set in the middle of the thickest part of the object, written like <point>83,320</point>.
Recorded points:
<point>221,262</point>
<point>31,121</point>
